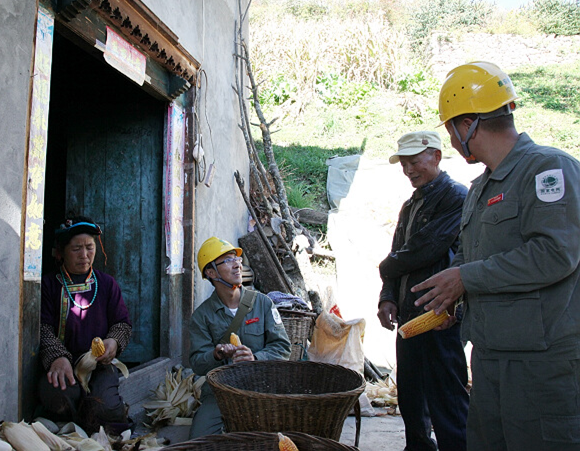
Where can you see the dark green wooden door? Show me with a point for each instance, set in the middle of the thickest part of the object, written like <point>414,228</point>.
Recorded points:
<point>114,175</point>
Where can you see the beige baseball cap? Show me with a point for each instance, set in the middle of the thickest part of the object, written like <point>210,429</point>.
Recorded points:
<point>414,143</point>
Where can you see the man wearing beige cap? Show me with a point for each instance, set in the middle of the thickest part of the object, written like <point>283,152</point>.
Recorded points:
<point>431,367</point>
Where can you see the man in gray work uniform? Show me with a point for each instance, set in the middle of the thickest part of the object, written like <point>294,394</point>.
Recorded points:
<point>260,328</point>
<point>518,264</point>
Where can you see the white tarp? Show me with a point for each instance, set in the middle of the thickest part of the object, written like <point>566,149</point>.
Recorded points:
<point>366,196</point>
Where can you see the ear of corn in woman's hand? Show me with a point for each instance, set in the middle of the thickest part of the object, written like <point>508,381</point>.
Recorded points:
<point>84,368</point>
<point>285,443</point>
<point>422,323</point>
<point>97,347</point>
<point>235,340</point>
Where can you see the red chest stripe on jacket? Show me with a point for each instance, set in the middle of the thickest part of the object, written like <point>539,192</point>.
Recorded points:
<point>495,199</point>
<point>253,320</point>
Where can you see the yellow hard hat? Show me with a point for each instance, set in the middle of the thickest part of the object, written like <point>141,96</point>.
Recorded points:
<point>211,249</point>
<point>478,87</point>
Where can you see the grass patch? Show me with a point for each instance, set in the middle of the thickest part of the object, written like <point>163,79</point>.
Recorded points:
<point>549,105</point>
<point>554,88</point>
<point>304,170</point>
<point>299,195</point>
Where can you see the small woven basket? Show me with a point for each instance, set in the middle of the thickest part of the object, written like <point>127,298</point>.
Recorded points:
<point>299,327</point>
<point>270,396</point>
<point>258,441</point>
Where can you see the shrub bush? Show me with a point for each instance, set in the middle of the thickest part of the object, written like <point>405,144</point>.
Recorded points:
<point>337,90</point>
<point>429,15</point>
<point>278,91</point>
<point>560,17</point>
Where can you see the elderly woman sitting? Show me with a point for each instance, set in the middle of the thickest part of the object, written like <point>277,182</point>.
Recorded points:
<point>80,303</point>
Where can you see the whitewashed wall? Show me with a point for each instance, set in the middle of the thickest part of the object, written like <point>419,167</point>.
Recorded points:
<point>206,29</point>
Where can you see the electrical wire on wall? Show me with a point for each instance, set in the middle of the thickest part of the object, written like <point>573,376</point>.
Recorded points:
<point>202,171</point>
<point>211,168</point>
<point>198,152</point>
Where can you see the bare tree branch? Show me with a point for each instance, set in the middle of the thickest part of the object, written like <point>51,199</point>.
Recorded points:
<point>268,150</point>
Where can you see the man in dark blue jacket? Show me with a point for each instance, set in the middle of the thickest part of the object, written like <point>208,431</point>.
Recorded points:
<point>431,367</point>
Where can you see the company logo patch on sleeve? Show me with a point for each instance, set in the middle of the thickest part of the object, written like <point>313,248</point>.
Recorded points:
<point>276,315</point>
<point>550,185</point>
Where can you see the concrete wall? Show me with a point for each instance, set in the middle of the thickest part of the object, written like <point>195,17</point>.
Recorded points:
<point>17,22</point>
<point>206,29</point>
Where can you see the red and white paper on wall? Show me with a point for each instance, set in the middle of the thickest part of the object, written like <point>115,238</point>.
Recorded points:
<point>124,57</point>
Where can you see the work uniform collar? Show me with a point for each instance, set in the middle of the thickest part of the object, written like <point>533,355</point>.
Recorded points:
<point>523,143</point>
<point>216,303</point>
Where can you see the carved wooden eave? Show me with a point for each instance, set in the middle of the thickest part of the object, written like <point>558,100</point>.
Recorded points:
<point>142,28</point>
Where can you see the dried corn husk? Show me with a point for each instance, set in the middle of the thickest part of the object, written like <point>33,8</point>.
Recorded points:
<point>54,442</point>
<point>102,439</point>
<point>50,425</point>
<point>121,366</point>
<point>22,437</point>
<point>382,393</point>
<point>176,398</point>
<point>148,441</point>
<point>88,444</point>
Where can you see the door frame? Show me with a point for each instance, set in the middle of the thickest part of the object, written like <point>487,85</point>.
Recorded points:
<point>169,81</point>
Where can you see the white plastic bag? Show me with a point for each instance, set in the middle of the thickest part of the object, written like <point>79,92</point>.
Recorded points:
<point>337,341</point>
<point>340,342</point>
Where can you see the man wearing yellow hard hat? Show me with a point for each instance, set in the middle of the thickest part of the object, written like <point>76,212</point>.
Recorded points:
<point>230,309</point>
<point>518,269</point>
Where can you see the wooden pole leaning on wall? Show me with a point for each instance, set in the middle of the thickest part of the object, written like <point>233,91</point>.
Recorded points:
<point>267,243</point>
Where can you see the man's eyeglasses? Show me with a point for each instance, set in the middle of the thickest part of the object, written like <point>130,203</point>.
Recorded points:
<point>230,261</point>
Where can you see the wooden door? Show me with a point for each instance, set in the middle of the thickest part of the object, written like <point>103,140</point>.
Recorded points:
<point>114,175</point>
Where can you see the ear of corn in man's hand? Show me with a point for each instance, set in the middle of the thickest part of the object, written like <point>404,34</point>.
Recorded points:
<point>235,340</point>
<point>285,443</point>
<point>422,323</point>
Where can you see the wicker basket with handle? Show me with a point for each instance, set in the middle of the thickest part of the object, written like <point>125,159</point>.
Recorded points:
<point>299,326</point>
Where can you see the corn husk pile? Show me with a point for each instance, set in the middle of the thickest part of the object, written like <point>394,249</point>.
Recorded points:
<point>174,400</point>
<point>383,394</point>
<point>36,437</point>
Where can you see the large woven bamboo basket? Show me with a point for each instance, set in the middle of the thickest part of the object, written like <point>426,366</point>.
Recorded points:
<point>258,441</point>
<point>270,396</point>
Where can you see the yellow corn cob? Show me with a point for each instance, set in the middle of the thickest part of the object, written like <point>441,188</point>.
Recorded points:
<point>235,340</point>
<point>97,347</point>
<point>285,443</point>
<point>422,323</point>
